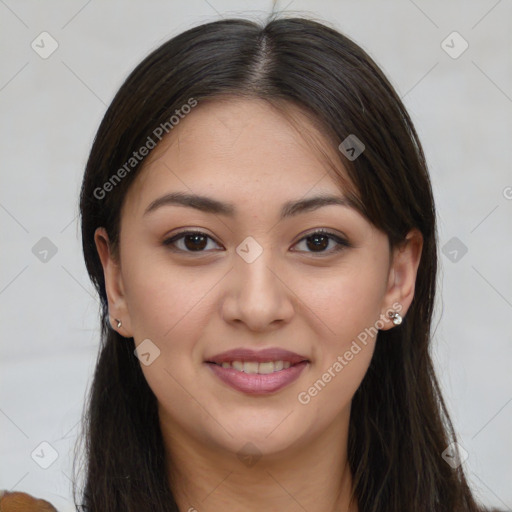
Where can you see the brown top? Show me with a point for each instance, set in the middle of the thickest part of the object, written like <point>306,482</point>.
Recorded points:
<point>22,502</point>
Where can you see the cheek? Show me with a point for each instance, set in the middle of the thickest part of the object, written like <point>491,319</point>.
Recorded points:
<point>343,355</point>
<point>162,298</point>
<point>348,306</point>
<point>347,303</point>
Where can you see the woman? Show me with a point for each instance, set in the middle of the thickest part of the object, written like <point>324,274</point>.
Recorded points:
<point>258,220</point>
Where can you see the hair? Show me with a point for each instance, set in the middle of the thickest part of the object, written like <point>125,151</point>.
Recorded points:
<point>399,424</point>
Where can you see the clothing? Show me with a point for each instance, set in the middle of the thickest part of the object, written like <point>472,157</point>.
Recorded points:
<point>23,502</point>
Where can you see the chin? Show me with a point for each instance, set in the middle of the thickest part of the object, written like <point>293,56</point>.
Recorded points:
<point>256,439</point>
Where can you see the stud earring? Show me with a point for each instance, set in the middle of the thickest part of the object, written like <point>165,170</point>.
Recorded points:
<point>395,316</point>
<point>119,323</point>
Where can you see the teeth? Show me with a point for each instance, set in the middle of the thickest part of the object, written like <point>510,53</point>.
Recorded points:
<point>238,365</point>
<point>265,367</point>
<point>251,367</point>
<point>255,367</point>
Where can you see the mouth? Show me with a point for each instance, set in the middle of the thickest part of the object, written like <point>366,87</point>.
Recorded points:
<point>254,367</point>
<point>262,372</point>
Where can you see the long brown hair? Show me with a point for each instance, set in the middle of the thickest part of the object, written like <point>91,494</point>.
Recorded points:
<point>399,425</point>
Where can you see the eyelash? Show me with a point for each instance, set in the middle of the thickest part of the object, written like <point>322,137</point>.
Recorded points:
<point>341,243</point>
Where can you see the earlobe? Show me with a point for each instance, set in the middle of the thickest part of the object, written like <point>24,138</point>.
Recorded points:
<point>402,278</point>
<point>118,312</point>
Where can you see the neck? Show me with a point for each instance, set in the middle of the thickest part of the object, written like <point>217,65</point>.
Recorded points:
<point>313,475</point>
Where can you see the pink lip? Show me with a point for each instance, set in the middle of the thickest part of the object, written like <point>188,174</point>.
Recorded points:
<point>256,384</point>
<point>259,356</point>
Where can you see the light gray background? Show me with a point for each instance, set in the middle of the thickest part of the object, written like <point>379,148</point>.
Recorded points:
<point>51,109</point>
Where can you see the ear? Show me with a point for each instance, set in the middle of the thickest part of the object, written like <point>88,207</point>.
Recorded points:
<point>117,307</point>
<point>402,276</point>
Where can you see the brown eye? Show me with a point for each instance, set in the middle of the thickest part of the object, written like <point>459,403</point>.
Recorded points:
<point>319,241</point>
<point>195,242</point>
<point>190,241</point>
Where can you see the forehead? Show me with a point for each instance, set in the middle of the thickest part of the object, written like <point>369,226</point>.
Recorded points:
<point>241,150</point>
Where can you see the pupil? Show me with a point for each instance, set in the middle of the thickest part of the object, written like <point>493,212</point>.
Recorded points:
<point>318,244</point>
<point>196,239</point>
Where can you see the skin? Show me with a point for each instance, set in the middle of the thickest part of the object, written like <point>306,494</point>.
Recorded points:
<point>193,305</point>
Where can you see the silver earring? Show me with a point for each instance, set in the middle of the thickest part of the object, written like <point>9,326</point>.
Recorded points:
<point>395,316</point>
<point>118,323</point>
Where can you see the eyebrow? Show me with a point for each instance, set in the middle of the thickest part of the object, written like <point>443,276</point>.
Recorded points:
<point>210,205</point>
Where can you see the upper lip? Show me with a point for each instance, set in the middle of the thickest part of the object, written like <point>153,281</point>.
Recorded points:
<point>259,356</point>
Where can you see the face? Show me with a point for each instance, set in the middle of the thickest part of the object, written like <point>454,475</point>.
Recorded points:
<point>254,274</point>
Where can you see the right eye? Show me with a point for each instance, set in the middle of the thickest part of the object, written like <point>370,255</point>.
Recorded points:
<point>191,241</point>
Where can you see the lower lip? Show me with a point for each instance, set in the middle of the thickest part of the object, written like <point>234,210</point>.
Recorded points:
<point>255,383</point>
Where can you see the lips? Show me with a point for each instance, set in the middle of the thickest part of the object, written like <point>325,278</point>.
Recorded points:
<point>257,356</point>
<point>257,372</point>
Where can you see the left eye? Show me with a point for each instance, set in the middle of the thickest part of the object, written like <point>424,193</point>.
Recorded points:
<point>197,241</point>
<point>321,239</point>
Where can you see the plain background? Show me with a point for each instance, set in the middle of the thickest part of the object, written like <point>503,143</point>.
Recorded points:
<point>51,109</point>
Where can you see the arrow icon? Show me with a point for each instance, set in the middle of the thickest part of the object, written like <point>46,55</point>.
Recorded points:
<point>249,454</point>
<point>147,352</point>
<point>454,249</point>
<point>454,45</point>
<point>44,455</point>
<point>247,252</point>
<point>351,147</point>
<point>44,250</point>
<point>44,45</point>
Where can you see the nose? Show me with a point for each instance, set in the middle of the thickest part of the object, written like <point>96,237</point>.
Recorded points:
<point>258,294</point>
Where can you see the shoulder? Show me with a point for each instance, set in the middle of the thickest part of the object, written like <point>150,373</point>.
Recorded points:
<point>22,502</point>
